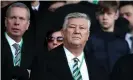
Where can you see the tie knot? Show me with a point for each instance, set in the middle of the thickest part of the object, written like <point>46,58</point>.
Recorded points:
<point>16,46</point>
<point>75,59</point>
<point>131,38</point>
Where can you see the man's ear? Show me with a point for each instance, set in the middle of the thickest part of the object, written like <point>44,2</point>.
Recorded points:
<point>62,32</point>
<point>5,22</point>
<point>117,15</point>
<point>28,24</point>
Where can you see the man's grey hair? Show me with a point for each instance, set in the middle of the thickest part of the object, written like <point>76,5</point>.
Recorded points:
<point>76,15</point>
<point>20,5</point>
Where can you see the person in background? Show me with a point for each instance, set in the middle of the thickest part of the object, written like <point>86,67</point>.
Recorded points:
<point>123,69</point>
<point>54,38</point>
<point>126,12</point>
<point>104,44</point>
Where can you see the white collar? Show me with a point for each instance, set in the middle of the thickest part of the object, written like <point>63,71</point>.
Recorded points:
<point>36,7</point>
<point>11,41</point>
<point>70,56</point>
<point>128,35</point>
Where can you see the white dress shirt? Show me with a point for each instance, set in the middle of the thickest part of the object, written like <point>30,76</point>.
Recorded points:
<point>127,38</point>
<point>83,69</point>
<point>35,7</point>
<point>11,42</point>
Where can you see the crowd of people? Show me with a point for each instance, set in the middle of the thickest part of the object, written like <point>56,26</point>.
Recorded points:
<point>67,40</point>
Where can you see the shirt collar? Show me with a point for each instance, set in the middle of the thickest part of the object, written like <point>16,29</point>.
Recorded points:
<point>70,56</point>
<point>36,7</point>
<point>128,35</point>
<point>11,41</point>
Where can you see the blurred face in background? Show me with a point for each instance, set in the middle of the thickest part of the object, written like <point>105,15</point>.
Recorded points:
<point>55,40</point>
<point>107,18</point>
<point>127,12</point>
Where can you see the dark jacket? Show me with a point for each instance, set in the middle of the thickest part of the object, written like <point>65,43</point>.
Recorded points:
<point>107,48</point>
<point>123,69</point>
<point>9,71</point>
<point>58,68</point>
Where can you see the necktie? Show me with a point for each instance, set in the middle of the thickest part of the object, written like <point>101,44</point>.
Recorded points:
<point>35,12</point>
<point>131,38</point>
<point>17,54</point>
<point>76,71</point>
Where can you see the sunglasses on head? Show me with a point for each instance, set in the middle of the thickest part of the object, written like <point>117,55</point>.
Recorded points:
<point>58,39</point>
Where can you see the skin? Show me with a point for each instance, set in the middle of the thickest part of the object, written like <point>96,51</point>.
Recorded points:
<point>17,23</point>
<point>107,20</point>
<point>55,43</point>
<point>127,12</point>
<point>75,35</point>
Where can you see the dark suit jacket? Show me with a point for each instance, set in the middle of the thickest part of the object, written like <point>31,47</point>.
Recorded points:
<point>107,48</point>
<point>58,68</point>
<point>27,56</point>
<point>123,69</point>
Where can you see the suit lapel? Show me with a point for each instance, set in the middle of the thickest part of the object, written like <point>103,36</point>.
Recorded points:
<point>62,65</point>
<point>22,55</point>
<point>7,52</point>
<point>25,55</point>
<point>89,60</point>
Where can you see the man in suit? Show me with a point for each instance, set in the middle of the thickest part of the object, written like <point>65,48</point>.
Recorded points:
<point>70,61</point>
<point>127,12</point>
<point>123,69</point>
<point>17,51</point>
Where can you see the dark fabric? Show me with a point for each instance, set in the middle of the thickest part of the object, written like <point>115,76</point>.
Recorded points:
<point>131,44</point>
<point>123,69</point>
<point>58,68</point>
<point>27,56</point>
<point>121,27</point>
<point>107,48</point>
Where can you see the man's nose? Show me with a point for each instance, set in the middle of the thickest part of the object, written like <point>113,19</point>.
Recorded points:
<point>17,21</point>
<point>77,30</point>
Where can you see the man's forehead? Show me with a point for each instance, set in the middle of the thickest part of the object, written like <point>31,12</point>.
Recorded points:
<point>19,12</point>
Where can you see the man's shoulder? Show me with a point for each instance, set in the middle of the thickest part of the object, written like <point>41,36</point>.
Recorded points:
<point>126,59</point>
<point>56,52</point>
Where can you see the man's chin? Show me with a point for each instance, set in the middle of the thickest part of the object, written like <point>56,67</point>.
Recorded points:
<point>76,43</point>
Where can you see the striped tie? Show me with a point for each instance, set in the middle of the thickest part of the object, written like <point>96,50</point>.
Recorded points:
<point>17,55</point>
<point>76,71</point>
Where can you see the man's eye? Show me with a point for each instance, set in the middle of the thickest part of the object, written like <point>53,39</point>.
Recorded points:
<point>82,28</point>
<point>21,18</point>
<point>128,14</point>
<point>13,17</point>
<point>71,27</point>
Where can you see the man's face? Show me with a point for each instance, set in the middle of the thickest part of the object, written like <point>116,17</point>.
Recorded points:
<point>107,19</point>
<point>127,12</point>
<point>77,31</point>
<point>17,22</point>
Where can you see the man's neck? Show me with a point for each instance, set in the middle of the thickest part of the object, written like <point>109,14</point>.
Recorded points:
<point>75,50</point>
<point>15,38</point>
